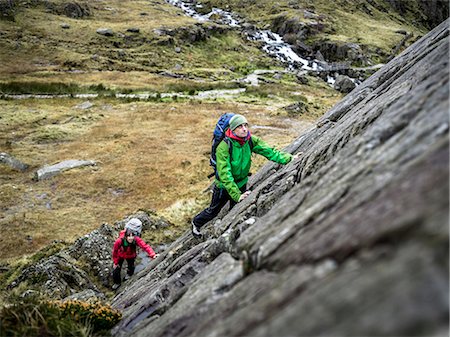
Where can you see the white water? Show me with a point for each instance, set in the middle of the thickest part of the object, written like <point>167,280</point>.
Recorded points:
<point>273,43</point>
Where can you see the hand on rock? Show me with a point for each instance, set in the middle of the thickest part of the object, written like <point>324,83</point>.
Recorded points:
<point>244,195</point>
<point>296,156</point>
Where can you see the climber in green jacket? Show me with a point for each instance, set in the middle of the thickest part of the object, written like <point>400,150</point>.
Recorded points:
<point>233,168</point>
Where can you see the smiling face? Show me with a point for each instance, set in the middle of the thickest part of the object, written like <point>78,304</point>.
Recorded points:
<point>241,130</point>
<point>130,237</point>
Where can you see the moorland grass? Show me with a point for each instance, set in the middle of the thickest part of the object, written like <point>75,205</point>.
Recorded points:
<point>150,155</point>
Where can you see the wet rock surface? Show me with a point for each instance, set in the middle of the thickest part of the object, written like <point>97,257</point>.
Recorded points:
<point>349,239</point>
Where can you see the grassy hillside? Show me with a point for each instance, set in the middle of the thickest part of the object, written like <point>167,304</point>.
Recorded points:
<point>151,154</point>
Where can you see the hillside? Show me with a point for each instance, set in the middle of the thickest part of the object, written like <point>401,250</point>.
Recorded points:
<point>136,87</point>
<point>160,61</point>
<point>151,48</point>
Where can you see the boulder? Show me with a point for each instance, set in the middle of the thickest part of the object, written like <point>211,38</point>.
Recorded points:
<point>344,84</point>
<point>52,170</point>
<point>57,276</point>
<point>12,162</point>
<point>105,31</point>
<point>82,270</point>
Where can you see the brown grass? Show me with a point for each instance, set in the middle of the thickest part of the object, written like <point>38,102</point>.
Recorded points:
<point>149,155</point>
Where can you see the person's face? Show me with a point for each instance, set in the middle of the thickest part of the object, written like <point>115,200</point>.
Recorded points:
<point>130,237</point>
<point>241,130</point>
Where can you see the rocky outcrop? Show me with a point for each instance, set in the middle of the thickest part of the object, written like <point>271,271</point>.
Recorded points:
<point>351,239</point>
<point>193,33</point>
<point>74,10</point>
<point>433,12</point>
<point>334,51</point>
<point>82,270</point>
<point>75,271</point>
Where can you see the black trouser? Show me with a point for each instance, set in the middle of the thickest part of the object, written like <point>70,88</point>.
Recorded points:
<point>130,270</point>
<point>219,199</point>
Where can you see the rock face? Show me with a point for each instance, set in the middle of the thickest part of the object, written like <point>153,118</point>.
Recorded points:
<point>351,239</point>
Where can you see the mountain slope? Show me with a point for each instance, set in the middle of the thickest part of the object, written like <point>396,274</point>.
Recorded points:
<point>352,239</point>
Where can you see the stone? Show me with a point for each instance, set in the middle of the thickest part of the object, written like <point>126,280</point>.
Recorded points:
<point>12,162</point>
<point>344,84</point>
<point>52,170</point>
<point>105,31</point>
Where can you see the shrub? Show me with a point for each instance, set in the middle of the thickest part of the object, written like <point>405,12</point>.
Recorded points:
<point>32,316</point>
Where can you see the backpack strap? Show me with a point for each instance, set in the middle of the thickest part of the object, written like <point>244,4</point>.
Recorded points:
<point>227,141</point>
<point>250,142</point>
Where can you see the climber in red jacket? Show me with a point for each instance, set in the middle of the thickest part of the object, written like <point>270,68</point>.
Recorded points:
<point>125,249</point>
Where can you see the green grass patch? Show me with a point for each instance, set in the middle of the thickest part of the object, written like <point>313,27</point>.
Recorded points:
<point>50,88</point>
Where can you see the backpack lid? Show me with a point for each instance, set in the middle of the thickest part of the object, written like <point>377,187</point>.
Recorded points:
<point>222,124</point>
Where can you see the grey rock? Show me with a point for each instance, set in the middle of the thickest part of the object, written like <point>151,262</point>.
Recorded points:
<point>297,108</point>
<point>95,251</point>
<point>344,84</point>
<point>333,51</point>
<point>133,30</point>
<point>350,239</point>
<point>83,269</point>
<point>50,171</point>
<point>72,10</point>
<point>57,276</point>
<point>12,162</point>
<point>105,31</point>
<point>88,295</point>
<point>86,105</point>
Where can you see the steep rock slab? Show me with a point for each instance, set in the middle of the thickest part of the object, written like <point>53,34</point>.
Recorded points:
<point>349,240</point>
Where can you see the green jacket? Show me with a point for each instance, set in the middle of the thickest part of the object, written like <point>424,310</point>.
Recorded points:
<point>234,175</point>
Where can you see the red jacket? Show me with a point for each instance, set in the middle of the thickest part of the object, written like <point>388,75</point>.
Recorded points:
<point>129,252</point>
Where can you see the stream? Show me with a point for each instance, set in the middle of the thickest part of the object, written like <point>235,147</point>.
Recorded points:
<point>273,43</point>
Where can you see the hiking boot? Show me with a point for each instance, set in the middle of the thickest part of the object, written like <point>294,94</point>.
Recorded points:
<point>195,231</point>
<point>115,286</point>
